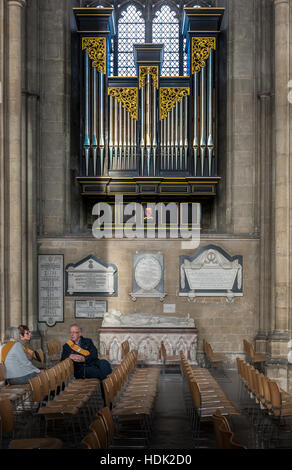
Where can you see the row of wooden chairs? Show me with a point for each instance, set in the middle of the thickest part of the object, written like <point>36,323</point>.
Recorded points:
<point>271,406</point>
<point>203,396</point>
<point>212,359</point>
<point>58,399</point>
<point>130,392</point>
<point>255,358</point>
<point>8,432</point>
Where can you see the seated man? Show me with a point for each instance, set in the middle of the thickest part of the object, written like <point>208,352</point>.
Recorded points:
<point>84,356</point>
<point>32,355</point>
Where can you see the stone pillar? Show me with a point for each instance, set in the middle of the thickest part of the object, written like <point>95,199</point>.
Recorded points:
<point>264,68</point>
<point>2,169</point>
<point>14,244</point>
<point>282,235</point>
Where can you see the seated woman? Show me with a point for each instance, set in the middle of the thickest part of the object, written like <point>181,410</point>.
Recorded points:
<point>33,356</point>
<point>18,368</point>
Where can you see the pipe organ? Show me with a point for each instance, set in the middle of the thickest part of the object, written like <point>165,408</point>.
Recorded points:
<point>157,134</point>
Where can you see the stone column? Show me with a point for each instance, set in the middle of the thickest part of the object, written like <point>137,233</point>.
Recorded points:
<point>280,335</point>
<point>264,44</point>
<point>14,246</point>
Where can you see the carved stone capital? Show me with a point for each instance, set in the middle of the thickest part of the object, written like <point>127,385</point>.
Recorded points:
<point>17,3</point>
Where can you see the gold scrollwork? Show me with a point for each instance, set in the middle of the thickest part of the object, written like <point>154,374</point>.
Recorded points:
<point>169,97</point>
<point>128,97</point>
<point>144,71</point>
<point>201,47</point>
<point>96,49</point>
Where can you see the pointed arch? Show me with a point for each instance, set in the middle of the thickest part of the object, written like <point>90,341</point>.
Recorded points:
<point>165,29</point>
<point>131,30</point>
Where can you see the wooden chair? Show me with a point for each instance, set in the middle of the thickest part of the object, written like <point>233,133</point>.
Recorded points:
<point>168,359</point>
<point>8,429</point>
<point>257,358</point>
<point>214,358</point>
<point>128,438</point>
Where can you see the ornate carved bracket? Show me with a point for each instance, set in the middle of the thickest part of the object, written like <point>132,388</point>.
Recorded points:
<point>169,97</point>
<point>144,71</point>
<point>201,47</point>
<point>128,96</point>
<point>96,49</point>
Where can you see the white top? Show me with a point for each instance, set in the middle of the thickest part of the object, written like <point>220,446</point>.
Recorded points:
<point>16,363</point>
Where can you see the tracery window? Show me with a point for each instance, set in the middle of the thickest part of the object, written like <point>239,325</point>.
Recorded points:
<point>131,30</point>
<point>165,29</point>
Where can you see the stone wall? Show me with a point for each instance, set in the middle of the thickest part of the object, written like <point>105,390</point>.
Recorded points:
<point>223,324</point>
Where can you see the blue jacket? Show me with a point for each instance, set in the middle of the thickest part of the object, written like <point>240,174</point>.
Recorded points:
<point>92,367</point>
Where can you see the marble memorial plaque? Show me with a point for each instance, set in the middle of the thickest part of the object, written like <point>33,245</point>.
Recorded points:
<point>148,273</point>
<point>91,276</point>
<point>148,276</point>
<point>211,272</point>
<point>90,308</point>
<point>51,289</point>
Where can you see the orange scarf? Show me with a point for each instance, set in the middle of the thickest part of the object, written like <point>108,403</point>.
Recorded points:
<point>5,350</point>
<point>77,348</point>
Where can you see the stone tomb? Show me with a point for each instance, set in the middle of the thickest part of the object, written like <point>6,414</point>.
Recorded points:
<point>144,332</point>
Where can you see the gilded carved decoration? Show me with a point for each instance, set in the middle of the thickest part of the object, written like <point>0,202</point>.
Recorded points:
<point>96,49</point>
<point>201,47</point>
<point>128,96</point>
<point>169,97</point>
<point>152,71</point>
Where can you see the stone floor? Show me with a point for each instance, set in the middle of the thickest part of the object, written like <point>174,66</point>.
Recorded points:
<point>171,425</point>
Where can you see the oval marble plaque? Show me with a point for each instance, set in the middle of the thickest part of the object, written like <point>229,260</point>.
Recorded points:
<point>148,273</point>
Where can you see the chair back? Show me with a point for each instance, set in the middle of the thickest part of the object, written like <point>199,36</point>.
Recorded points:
<point>90,441</point>
<point>41,354</point>
<point>108,391</point>
<point>106,415</point>
<point>98,427</point>
<point>226,436</point>
<point>276,399</point>
<point>220,421</point>
<point>196,394</point>
<point>7,416</point>
<point>44,385</point>
<point>52,379</point>
<point>2,372</point>
<point>36,391</point>
<point>163,350</point>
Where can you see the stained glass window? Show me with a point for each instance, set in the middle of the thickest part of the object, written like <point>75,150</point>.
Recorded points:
<point>131,29</point>
<point>165,29</point>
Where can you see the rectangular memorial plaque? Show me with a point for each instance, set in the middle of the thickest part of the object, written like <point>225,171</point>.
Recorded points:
<point>51,288</point>
<point>92,277</point>
<point>90,308</point>
<point>216,279</point>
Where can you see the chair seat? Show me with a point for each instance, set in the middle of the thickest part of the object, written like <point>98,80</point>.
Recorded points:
<point>172,358</point>
<point>39,443</point>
